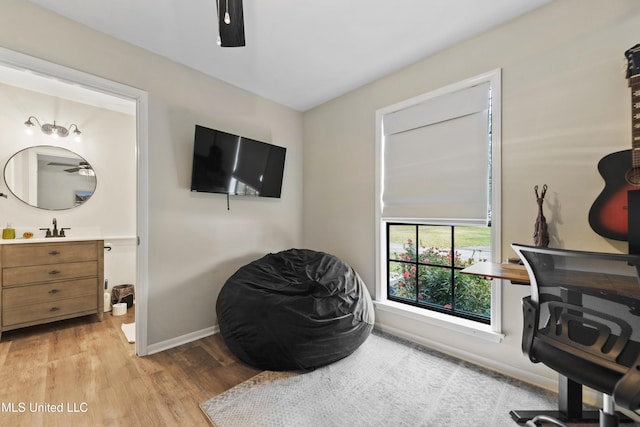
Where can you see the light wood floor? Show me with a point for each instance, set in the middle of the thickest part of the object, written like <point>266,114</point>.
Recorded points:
<point>88,369</point>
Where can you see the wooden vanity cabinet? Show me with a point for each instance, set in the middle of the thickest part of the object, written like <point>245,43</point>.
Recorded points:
<point>45,282</point>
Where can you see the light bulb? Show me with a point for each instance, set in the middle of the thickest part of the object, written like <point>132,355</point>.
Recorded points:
<point>227,18</point>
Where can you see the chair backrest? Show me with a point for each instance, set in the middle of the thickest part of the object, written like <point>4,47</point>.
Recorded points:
<point>583,318</point>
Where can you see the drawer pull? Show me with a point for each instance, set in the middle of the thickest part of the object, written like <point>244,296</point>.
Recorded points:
<point>54,309</point>
<point>54,272</point>
<point>54,253</point>
<point>54,291</point>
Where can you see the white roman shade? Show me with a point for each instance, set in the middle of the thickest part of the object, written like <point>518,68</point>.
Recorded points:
<point>435,158</point>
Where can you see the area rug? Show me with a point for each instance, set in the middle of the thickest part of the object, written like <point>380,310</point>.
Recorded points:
<point>129,330</point>
<point>385,382</point>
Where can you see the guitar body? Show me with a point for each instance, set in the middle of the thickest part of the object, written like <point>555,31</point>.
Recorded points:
<point>609,214</point>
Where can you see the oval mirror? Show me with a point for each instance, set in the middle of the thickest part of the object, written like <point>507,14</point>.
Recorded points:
<point>49,177</point>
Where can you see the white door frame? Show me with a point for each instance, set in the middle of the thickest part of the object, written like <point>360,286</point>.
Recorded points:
<point>21,61</point>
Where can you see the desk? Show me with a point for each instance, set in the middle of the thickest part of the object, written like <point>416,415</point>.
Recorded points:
<point>569,391</point>
<point>514,272</point>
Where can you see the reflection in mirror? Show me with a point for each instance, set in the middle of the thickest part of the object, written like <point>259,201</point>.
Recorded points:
<point>49,177</point>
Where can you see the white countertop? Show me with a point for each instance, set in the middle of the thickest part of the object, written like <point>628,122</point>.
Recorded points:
<point>77,234</point>
<point>20,239</point>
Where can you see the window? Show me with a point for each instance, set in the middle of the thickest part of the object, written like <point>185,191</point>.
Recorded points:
<point>424,263</point>
<point>438,187</point>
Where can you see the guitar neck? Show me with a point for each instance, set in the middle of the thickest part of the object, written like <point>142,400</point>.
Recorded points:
<point>634,83</point>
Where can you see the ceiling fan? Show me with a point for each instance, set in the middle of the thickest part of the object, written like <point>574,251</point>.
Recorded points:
<point>74,167</point>
<point>230,23</point>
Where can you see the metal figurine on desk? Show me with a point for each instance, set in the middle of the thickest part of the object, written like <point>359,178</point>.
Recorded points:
<point>540,232</point>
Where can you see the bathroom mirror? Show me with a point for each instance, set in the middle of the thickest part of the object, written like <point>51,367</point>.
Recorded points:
<point>49,177</point>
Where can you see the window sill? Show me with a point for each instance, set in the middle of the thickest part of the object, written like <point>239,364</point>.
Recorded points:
<point>457,324</point>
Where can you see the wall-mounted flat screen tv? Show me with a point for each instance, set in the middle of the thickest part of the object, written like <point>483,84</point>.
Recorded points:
<point>232,164</point>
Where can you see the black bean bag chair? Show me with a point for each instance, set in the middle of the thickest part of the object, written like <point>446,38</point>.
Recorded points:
<point>294,310</point>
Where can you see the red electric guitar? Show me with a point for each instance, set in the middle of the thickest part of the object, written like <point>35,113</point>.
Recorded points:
<point>621,170</point>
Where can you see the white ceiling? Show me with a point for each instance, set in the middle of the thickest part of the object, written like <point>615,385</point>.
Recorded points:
<point>299,53</point>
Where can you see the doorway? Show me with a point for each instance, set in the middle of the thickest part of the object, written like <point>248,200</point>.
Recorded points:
<point>39,76</point>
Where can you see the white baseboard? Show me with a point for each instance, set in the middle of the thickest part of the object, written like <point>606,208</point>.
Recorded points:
<point>183,339</point>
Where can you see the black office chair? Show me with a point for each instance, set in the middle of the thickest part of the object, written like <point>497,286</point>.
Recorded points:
<point>583,321</point>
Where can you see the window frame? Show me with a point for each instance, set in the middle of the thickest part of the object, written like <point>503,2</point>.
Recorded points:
<point>381,300</point>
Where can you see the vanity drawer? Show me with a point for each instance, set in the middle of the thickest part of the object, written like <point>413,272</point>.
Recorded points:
<point>48,253</point>
<point>45,273</point>
<point>49,292</point>
<point>15,315</point>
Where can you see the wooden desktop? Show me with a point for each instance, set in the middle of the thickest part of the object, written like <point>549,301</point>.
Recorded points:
<point>508,271</point>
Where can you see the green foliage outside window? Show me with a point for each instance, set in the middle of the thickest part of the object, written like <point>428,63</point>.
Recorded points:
<point>432,271</point>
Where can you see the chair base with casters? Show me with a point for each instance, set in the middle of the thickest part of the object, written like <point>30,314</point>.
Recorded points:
<point>570,409</point>
<point>583,321</point>
<point>605,417</point>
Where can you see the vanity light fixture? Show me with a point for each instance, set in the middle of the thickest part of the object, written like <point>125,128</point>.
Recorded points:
<point>54,130</point>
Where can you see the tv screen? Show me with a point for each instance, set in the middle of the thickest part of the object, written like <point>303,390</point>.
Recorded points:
<point>232,164</point>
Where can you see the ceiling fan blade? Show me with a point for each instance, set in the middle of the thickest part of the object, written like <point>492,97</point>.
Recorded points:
<point>61,164</point>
